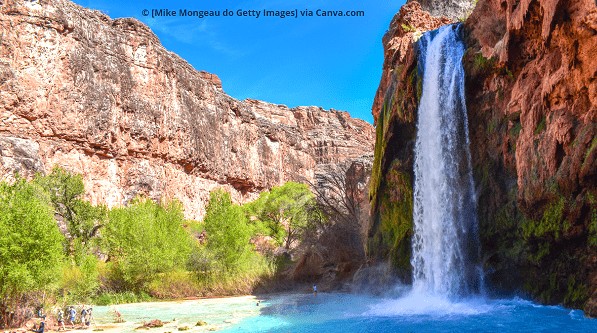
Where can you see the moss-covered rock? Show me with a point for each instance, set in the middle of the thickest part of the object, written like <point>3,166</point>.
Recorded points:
<point>391,191</point>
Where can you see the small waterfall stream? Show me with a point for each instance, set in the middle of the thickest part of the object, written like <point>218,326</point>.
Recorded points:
<point>445,243</point>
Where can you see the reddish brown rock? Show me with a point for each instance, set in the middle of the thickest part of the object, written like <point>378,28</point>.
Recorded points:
<point>532,100</point>
<point>103,98</point>
<point>531,74</point>
<point>406,26</point>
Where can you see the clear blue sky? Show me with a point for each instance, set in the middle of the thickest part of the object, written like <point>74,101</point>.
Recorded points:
<point>333,62</point>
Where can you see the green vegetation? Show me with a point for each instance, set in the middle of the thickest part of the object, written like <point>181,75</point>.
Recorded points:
<point>540,126</point>
<point>391,185</point>
<point>592,220</point>
<point>82,220</point>
<point>286,211</point>
<point>381,130</point>
<point>140,251</point>
<point>30,245</point>
<point>109,298</point>
<point>144,240</point>
<point>408,28</point>
<point>590,151</point>
<point>396,207</point>
<point>229,239</point>
<point>482,64</point>
<point>550,225</point>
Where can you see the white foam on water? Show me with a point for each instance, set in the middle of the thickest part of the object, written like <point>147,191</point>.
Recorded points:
<point>416,304</point>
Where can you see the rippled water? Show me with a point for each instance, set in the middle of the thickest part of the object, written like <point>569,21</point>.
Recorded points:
<point>352,313</point>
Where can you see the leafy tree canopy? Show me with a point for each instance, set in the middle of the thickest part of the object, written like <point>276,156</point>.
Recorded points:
<point>228,233</point>
<point>287,210</point>
<point>145,239</point>
<point>82,219</point>
<point>30,241</point>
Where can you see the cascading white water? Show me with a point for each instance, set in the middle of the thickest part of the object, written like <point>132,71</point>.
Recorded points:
<point>445,241</point>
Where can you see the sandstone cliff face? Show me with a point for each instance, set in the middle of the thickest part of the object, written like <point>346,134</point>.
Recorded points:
<point>532,104</point>
<point>103,98</point>
<point>532,98</point>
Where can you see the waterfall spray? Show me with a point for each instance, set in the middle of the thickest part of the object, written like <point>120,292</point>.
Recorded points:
<point>445,242</point>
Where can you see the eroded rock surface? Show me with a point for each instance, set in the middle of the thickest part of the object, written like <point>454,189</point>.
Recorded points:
<point>531,76</point>
<point>532,99</point>
<point>103,98</point>
<point>453,9</point>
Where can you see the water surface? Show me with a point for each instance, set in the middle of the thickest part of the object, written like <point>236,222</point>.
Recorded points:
<point>345,313</point>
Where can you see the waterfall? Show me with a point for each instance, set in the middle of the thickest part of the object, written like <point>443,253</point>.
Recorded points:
<point>445,242</point>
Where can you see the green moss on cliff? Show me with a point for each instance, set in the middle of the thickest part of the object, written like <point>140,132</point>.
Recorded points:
<point>396,209</point>
<point>550,225</point>
<point>391,185</point>
<point>589,151</point>
<point>540,126</point>
<point>541,252</point>
<point>380,147</point>
<point>393,235</point>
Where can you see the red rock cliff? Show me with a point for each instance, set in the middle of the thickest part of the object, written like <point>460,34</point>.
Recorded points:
<point>532,102</point>
<point>103,98</point>
<point>532,99</point>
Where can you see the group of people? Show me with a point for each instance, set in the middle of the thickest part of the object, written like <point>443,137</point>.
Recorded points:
<point>86,316</point>
<point>85,319</point>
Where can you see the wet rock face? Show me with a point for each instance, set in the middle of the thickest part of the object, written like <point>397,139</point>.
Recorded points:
<point>394,109</point>
<point>103,98</point>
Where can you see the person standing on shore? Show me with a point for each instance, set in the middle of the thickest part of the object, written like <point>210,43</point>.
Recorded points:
<point>71,316</point>
<point>60,319</point>
<point>89,317</point>
<point>84,316</point>
<point>315,289</point>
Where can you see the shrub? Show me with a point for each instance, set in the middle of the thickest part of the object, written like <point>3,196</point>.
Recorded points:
<point>144,240</point>
<point>80,282</point>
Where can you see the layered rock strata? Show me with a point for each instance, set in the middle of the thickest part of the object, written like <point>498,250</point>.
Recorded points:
<point>103,98</point>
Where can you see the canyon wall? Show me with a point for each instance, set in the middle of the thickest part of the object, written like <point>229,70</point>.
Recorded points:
<point>103,98</point>
<point>532,110</point>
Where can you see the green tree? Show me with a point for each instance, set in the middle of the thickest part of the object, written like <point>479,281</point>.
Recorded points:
<point>30,244</point>
<point>287,210</point>
<point>228,234</point>
<point>82,220</point>
<point>146,239</point>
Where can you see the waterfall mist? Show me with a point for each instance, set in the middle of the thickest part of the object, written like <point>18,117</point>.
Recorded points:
<point>445,242</point>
